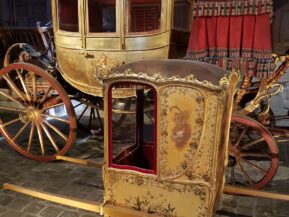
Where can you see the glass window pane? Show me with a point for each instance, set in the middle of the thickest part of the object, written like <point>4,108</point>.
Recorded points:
<point>101,15</point>
<point>144,15</point>
<point>132,127</point>
<point>68,15</point>
<point>182,14</point>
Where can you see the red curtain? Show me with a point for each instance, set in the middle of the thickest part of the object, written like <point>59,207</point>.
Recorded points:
<point>233,34</point>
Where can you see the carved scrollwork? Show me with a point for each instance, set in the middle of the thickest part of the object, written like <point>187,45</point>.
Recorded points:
<point>103,65</point>
<point>159,78</point>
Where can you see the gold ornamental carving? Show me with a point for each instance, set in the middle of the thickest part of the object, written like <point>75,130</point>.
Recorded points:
<point>159,78</point>
<point>154,199</point>
<point>103,64</point>
<point>195,134</point>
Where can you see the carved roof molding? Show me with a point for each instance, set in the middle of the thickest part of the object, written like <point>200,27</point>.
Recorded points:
<point>159,78</point>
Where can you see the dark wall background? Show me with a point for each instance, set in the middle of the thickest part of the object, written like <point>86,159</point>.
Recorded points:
<point>24,13</point>
<point>280,26</point>
<point>279,3</point>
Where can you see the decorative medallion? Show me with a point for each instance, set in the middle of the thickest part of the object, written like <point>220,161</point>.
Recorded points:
<point>103,65</point>
<point>182,130</point>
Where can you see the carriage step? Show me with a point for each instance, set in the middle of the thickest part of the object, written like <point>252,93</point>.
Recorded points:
<point>69,201</point>
<point>80,161</point>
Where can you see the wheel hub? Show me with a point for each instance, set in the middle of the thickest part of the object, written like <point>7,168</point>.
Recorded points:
<point>234,156</point>
<point>31,115</point>
<point>232,161</point>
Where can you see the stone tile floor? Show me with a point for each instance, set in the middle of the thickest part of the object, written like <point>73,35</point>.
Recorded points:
<point>86,183</point>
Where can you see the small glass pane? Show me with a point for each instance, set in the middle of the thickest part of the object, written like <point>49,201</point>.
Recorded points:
<point>68,15</point>
<point>182,14</point>
<point>144,15</point>
<point>101,15</point>
<point>132,127</point>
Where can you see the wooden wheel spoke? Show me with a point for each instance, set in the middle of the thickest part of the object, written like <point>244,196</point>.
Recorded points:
<point>56,118</point>
<point>93,113</point>
<point>12,109</point>
<point>90,117</point>
<point>13,86</point>
<point>263,171</point>
<point>256,155</point>
<point>82,113</point>
<point>53,106</point>
<point>77,105</point>
<point>23,84</point>
<point>233,175</point>
<point>99,119</point>
<point>20,131</point>
<point>250,144</point>
<point>257,152</point>
<point>34,87</point>
<point>246,174</point>
<point>44,97</point>
<point>56,130</point>
<point>241,136</point>
<point>10,122</point>
<point>40,136</point>
<point>10,97</point>
<point>31,137</point>
<point>50,137</point>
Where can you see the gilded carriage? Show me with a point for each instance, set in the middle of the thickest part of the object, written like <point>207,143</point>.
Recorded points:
<point>90,38</point>
<point>174,160</point>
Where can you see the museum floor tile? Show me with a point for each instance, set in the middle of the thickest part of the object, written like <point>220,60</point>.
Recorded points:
<point>86,183</point>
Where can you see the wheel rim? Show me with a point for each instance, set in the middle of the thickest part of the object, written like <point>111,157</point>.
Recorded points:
<point>27,122</point>
<point>253,153</point>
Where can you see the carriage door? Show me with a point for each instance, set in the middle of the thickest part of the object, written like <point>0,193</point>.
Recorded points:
<point>132,127</point>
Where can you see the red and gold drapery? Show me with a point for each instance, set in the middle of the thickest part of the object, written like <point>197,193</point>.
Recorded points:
<point>233,34</point>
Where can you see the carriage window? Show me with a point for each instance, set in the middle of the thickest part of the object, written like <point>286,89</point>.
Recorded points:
<point>182,10</point>
<point>132,127</point>
<point>101,15</point>
<point>68,15</point>
<point>144,15</point>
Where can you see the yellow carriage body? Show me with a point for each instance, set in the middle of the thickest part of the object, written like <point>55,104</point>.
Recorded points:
<point>92,35</point>
<point>179,171</point>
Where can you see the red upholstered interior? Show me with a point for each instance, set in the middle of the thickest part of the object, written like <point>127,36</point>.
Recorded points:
<point>145,15</point>
<point>101,15</point>
<point>106,1</point>
<point>145,1</point>
<point>68,15</point>
<point>140,157</point>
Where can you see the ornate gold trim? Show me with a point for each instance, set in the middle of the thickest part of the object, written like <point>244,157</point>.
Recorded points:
<point>103,65</point>
<point>159,78</point>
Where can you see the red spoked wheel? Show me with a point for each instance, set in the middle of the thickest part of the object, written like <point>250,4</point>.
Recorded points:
<point>253,153</point>
<point>36,116</point>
